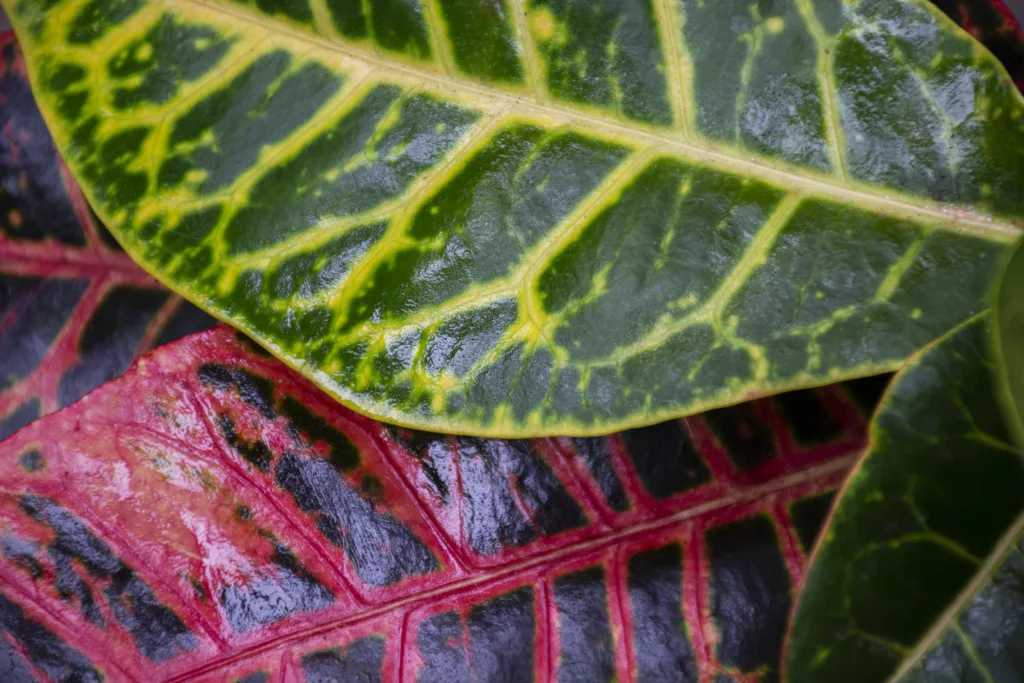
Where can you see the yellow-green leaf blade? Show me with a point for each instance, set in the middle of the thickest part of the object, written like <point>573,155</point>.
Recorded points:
<point>531,244</point>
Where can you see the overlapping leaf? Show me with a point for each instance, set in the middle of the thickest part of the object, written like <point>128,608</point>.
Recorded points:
<point>913,527</point>
<point>74,309</point>
<point>546,217</point>
<point>211,516</point>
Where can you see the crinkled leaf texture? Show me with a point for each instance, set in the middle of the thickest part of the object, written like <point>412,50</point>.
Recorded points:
<point>528,217</point>
<point>212,516</point>
<point>74,309</point>
<point>902,584</point>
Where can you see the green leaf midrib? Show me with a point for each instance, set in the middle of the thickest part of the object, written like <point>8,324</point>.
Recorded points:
<point>676,141</point>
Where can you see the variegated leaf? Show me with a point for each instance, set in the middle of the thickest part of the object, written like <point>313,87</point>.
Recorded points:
<point>74,310</point>
<point>545,216</point>
<point>210,516</point>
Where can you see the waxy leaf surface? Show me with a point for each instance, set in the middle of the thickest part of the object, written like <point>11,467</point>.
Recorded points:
<point>537,217</point>
<point>979,636</point>
<point>1008,343</point>
<point>211,516</point>
<point>74,309</point>
<point>916,532</point>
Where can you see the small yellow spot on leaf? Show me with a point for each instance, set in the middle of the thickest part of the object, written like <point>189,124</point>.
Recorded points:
<point>543,23</point>
<point>916,313</point>
<point>775,25</point>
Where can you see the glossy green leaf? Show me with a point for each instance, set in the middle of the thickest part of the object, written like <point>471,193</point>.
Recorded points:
<point>980,635</point>
<point>979,638</point>
<point>1008,342</point>
<point>541,216</point>
<point>913,528</point>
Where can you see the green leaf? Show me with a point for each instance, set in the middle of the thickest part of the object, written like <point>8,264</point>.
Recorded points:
<point>1008,349</point>
<point>535,217</point>
<point>978,639</point>
<point>912,528</point>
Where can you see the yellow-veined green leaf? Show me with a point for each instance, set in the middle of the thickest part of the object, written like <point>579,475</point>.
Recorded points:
<point>545,216</point>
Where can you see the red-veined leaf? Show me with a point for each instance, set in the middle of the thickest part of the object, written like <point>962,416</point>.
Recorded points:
<point>74,309</point>
<point>211,516</point>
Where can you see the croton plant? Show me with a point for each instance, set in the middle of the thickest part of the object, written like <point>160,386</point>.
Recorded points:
<point>497,278</point>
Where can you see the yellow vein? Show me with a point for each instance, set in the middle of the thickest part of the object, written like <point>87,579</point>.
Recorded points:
<point>566,232</point>
<point>677,82</point>
<point>241,55</point>
<point>525,278</point>
<point>157,144</point>
<point>898,269</point>
<point>322,19</point>
<point>826,87</point>
<point>424,188</point>
<point>952,157</point>
<point>121,33</point>
<point>754,38</point>
<point>439,36</point>
<point>753,258</point>
<point>96,59</point>
<point>574,223</point>
<point>342,101</point>
<point>527,49</point>
<point>521,281</point>
<point>315,237</point>
<point>873,198</point>
<point>712,310</point>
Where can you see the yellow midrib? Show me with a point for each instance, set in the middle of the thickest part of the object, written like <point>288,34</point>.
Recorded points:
<point>811,184</point>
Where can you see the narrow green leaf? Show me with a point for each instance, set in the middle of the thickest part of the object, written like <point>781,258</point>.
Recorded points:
<point>536,217</point>
<point>913,527</point>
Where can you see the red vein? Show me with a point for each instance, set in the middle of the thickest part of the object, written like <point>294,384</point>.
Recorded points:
<point>788,485</point>
<point>791,552</point>
<point>546,635</point>
<point>620,616</point>
<point>454,553</point>
<point>48,257</point>
<point>695,587</point>
<point>73,635</point>
<point>126,552</point>
<point>297,528</point>
<point>156,325</point>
